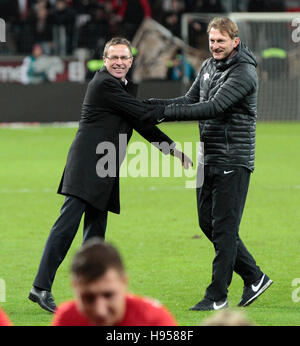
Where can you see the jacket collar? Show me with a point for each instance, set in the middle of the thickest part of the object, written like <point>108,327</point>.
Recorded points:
<point>242,55</point>
<point>223,65</point>
<point>124,84</point>
<point>130,87</point>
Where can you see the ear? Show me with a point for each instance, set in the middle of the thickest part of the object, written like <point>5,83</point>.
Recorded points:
<point>131,61</point>
<point>236,42</point>
<point>125,279</point>
<point>74,284</point>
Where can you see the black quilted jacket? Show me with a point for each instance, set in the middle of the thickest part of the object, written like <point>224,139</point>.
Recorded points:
<point>223,98</point>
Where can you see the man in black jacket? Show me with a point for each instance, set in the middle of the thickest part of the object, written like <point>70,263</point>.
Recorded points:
<point>109,114</point>
<point>223,98</point>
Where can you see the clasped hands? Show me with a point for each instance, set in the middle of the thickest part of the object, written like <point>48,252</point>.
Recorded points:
<point>154,114</point>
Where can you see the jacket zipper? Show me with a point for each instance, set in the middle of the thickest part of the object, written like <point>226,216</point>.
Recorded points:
<point>202,133</point>
<point>226,138</point>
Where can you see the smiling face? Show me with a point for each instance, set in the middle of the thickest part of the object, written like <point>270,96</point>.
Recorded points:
<point>118,60</point>
<point>221,45</point>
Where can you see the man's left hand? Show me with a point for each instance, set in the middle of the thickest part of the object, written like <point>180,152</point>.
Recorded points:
<point>186,162</point>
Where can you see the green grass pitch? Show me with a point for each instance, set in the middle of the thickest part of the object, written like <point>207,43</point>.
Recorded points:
<point>166,255</point>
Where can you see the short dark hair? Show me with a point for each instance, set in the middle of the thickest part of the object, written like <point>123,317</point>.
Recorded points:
<point>117,40</point>
<point>224,24</point>
<point>93,260</point>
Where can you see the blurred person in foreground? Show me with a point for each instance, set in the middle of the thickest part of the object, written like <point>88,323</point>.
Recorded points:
<point>223,98</point>
<point>4,320</point>
<point>228,318</point>
<point>90,181</point>
<point>101,299</point>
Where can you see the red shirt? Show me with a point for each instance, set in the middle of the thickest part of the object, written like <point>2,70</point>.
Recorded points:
<point>144,4</point>
<point>139,312</point>
<point>4,320</point>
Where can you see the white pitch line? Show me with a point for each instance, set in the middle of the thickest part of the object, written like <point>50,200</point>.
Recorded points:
<point>38,125</point>
<point>283,187</point>
<point>139,188</point>
<point>51,190</point>
<point>26,190</point>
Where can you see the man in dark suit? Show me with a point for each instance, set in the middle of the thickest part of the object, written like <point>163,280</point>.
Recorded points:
<point>109,110</point>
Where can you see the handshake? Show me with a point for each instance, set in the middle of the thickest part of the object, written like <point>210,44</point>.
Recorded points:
<point>158,112</point>
<point>155,113</point>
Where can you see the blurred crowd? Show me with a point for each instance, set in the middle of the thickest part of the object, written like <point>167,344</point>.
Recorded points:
<point>61,26</point>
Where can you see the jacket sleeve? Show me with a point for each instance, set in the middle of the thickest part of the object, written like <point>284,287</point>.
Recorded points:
<point>131,109</point>
<point>153,135</point>
<point>191,96</point>
<point>120,101</point>
<point>241,81</point>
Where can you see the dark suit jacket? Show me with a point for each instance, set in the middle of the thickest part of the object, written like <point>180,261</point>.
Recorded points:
<point>109,109</point>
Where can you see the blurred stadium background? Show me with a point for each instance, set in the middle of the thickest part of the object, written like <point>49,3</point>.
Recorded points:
<point>53,47</point>
<point>48,54</point>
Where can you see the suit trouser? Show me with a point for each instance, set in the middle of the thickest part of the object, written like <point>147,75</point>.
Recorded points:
<point>221,200</point>
<point>63,233</point>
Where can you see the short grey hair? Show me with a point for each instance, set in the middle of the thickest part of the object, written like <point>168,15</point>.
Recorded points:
<point>115,41</point>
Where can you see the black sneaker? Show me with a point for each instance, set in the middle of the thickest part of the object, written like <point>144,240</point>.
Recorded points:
<point>253,291</point>
<point>207,305</point>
